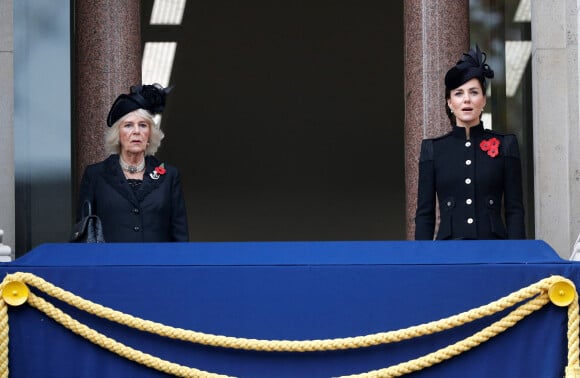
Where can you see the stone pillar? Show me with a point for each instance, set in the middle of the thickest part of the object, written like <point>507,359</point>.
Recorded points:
<point>107,62</point>
<point>7,193</point>
<point>555,73</point>
<point>436,34</point>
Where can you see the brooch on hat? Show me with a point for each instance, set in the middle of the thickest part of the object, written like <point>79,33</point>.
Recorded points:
<point>158,172</point>
<point>491,146</point>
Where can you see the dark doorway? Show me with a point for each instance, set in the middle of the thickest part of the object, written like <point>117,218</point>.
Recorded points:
<point>287,118</point>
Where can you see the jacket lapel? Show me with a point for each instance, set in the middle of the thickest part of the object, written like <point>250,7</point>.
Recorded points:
<point>116,179</point>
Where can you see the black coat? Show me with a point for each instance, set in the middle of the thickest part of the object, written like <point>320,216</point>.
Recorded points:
<point>155,213</point>
<point>471,187</point>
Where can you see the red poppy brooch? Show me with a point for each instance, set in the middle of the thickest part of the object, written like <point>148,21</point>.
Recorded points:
<point>491,146</point>
<point>158,171</point>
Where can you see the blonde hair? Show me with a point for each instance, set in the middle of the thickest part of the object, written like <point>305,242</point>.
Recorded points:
<point>112,144</point>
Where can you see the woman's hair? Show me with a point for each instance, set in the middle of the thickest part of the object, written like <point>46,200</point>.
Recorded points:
<point>450,115</point>
<point>112,144</point>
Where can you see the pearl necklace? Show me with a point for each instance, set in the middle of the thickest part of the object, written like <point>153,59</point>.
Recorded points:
<point>132,168</point>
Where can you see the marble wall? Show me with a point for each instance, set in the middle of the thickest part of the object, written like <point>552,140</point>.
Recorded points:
<point>436,34</point>
<point>107,62</point>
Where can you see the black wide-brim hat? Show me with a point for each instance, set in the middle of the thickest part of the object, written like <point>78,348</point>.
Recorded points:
<point>471,65</point>
<point>148,97</point>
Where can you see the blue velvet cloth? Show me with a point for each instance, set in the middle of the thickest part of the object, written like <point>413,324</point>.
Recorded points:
<point>294,291</point>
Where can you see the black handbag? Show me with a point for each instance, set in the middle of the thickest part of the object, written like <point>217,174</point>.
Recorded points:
<point>89,229</point>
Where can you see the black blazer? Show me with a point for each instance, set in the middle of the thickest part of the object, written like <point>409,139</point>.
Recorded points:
<point>471,187</point>
<point>155,213</point>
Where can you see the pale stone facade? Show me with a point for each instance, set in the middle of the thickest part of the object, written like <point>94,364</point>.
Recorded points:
<point>7,211</point>
<point>556,128</point>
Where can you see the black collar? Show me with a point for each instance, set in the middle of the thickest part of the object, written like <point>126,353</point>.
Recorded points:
<point>474,131</point>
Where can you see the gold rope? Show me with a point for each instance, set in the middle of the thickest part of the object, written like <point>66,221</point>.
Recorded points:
<point>3,339</point>
<point>573,368</point>
<point>535,296</point>
<point>461,346</point>
<point>115,346</point>
<point>283,345</point>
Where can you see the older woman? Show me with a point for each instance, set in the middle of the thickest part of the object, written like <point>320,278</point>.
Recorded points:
<point>474,173</point>
<point>137,197</point>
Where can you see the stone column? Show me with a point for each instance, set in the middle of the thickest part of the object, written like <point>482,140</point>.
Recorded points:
<point>436,34</point>
<point>7,193</point>
<point>107,62</point>
<point>555,73</point>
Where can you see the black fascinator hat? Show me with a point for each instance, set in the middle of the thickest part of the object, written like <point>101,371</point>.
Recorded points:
<point>471,65</point>
<point>148,97</point>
